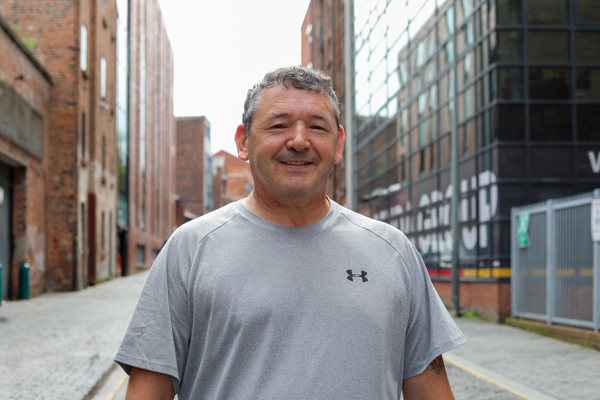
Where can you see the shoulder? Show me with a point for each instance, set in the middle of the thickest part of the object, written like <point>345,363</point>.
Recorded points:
<point>197,229</point>
<point>385,232</point>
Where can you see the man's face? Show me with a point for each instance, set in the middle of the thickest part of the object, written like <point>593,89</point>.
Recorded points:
<point>293,143</point>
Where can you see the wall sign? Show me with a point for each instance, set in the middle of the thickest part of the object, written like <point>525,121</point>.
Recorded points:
<point>522,230</point>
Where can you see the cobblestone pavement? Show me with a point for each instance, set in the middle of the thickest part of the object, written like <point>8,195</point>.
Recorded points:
<point>534,365</point>
<point>59,345</point>
<point>465,386</point>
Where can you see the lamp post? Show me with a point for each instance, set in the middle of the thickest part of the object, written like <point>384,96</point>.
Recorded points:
<point>454,177</point>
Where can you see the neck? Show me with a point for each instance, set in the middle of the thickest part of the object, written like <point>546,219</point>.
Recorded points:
<point>288,212</point>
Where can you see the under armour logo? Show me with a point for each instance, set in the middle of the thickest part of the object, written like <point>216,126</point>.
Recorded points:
<point>362,275</point>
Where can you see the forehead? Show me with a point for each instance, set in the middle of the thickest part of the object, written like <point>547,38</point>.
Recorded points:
<point>279,98</point>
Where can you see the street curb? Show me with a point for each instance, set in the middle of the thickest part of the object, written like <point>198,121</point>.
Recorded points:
<point>579,336</point>
<point>93,391</point>
<point>497,379</point>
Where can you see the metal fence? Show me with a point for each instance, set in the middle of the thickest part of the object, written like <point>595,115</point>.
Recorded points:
<point>555,262</point>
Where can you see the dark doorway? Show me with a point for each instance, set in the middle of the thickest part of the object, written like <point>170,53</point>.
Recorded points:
<point>5,217</point>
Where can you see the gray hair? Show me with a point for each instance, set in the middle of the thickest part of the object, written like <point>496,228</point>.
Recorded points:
<point>300,78</point>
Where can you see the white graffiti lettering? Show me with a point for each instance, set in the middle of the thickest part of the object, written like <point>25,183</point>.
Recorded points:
<point>594,161</point>
<point>434,212</point>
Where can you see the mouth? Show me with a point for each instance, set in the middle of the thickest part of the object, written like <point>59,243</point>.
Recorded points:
<point>295,163</point>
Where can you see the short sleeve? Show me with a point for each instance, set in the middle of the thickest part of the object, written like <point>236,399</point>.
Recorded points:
<point>431,331</point>
<point>158,333</point>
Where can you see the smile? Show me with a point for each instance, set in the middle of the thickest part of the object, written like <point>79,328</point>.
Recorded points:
<point>295,162</point>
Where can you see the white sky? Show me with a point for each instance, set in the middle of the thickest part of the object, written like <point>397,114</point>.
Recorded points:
<point>222,48</point>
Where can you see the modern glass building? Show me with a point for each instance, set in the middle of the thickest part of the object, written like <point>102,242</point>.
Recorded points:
<point>527,118</point>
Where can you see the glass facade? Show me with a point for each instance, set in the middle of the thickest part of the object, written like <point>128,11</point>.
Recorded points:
<point>527,106</point>
<point>123,111</point>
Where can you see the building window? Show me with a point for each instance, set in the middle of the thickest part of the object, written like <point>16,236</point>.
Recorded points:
<point>586,47</point>
<point>551,122</point>
<point>588,11</point>
<point>103,78</point>
<point>102,232</point>
<point>510,13</point>
<point>548,12</point>
<point>588,122</point>
<point>550,83</point>
<point>548,46</point>
<point>140,256</point>
<point>83,48</point>
<point>103,153</point>
<point>588,84</point>
<point>82,135</point>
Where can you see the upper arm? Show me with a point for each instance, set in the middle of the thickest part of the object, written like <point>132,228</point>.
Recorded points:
<point>144,384</point>
<point>432,384</point>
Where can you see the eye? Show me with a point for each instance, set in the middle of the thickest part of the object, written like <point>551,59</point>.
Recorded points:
<point>317,127</point>
<point>278,126</point>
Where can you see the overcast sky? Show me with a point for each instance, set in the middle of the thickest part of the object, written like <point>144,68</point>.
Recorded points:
<point>222,48</point>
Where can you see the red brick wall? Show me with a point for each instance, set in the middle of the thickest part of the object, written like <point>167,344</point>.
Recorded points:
<point>490,300</point>
<point>102,168</point>
<point>237,174</point>
<point>190,163</point>
<point>75,171</point>
<point>56,26</point>
<point>28,217</point>
<point>307,37</point>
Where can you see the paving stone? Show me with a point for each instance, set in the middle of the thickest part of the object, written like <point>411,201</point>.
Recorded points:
<point>559,369</point>
<point>59,345</point>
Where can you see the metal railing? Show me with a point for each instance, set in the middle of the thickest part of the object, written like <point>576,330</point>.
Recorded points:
<point>555,262</point>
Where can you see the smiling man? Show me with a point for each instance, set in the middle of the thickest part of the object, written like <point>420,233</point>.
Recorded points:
<point>286,294</point>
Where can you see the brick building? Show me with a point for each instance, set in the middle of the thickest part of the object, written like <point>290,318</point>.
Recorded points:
<point>322,49</point>
<point>74,40</point>
<point>25,88</point>
<point>232,179</point>
<point>194,170</point>
<point>146,134</point>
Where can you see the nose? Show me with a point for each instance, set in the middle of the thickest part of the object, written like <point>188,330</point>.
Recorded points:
<point>298,139</point>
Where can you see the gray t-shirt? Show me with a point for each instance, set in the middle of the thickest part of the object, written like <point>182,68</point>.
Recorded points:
<point>236,307</point>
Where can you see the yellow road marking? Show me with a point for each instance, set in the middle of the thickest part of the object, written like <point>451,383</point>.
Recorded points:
<point>114,392</point>
<point>486,378</point>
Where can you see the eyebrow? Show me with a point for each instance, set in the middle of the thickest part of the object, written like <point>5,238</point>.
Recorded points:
<point>285,114</point>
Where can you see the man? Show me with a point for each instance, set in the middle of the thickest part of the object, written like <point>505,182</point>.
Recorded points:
<point>286,294</point>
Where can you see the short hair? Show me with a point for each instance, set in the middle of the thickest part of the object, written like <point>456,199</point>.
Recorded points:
<point>299,77</point>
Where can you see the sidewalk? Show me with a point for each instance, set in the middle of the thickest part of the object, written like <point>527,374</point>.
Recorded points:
<point>59,345</point>
<point>527,364</point>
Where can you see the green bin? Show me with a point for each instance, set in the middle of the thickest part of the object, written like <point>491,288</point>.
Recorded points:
<point>24,282</point>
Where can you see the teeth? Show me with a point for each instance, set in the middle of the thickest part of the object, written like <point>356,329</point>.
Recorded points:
<point>295,162</point>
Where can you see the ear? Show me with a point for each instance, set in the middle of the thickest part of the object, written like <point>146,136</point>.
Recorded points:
<point>241,142</point>
<point>339,150</point>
